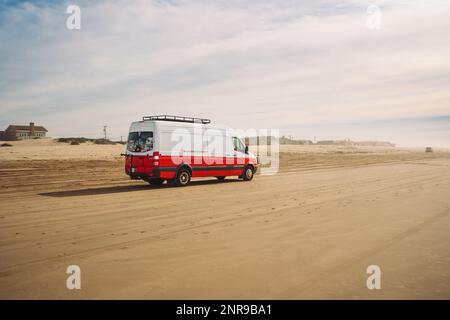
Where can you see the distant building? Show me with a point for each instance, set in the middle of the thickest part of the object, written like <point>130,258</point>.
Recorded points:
<point>18,132</point>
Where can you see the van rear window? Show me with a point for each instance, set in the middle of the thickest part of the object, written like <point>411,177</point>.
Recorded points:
<point>140,141</point>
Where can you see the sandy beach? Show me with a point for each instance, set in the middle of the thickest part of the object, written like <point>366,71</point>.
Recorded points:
<point>308,232</point>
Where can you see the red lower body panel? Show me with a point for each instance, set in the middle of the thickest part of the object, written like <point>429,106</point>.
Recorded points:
<point>141,167</point>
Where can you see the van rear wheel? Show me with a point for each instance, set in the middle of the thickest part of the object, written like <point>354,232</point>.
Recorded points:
<point>183,178</point>
<point>220,178</point>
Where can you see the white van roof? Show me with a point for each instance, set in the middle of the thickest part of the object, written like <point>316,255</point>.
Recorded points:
<point>176,119</point>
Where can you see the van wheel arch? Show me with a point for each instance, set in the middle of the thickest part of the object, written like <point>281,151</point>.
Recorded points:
<point>186,167</point>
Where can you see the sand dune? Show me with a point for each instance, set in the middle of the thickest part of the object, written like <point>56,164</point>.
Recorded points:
<point>308,232</point>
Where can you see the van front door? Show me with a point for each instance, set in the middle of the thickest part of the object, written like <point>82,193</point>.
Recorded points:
<point>239,151</point>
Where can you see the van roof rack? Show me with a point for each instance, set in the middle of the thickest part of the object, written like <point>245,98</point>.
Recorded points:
<point>176,119</point>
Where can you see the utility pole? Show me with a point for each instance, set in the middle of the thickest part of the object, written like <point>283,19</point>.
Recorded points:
<point>104,130</point>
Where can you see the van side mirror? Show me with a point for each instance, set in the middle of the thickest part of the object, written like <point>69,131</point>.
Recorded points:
<point>246,149</point>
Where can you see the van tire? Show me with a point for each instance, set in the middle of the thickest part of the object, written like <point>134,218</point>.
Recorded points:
<point>222,178</point>
<point>183,177</point>
<point>248,173</point>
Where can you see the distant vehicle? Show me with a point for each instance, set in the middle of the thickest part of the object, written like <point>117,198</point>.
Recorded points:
<point>428,149</point>
<point>175,149</point>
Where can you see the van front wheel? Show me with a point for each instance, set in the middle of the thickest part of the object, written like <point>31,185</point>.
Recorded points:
<point>183,178</point>
<point>248,173</point>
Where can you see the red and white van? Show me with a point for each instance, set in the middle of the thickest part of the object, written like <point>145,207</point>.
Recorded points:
<point>174,149</point>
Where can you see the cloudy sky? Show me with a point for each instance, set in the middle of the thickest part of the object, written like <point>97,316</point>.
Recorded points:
<point>309,68</point>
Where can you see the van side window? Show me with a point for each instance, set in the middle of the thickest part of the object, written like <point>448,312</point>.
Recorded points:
<point>237,144</point>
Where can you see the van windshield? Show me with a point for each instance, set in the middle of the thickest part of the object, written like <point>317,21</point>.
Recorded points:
<point>140,141</point>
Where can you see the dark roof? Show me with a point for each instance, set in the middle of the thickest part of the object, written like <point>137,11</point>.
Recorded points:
<point>16,127</point>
